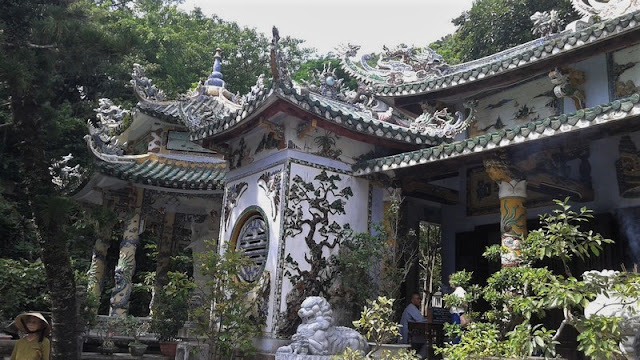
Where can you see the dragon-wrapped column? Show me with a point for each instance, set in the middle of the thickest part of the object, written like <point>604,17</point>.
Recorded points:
<point>96,270</point>
<point>512,192</point>
<point>127,260</point>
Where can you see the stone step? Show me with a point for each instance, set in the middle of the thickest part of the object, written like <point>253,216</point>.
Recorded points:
<point>121,356</point>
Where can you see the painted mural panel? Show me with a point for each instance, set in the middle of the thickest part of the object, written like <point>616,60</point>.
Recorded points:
<point>625,72</point>
<point>551,174</point>
<point>307,137</point>
<point>516,106</point>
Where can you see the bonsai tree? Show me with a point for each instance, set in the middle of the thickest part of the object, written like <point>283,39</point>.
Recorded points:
<point>376,324</point>
<point>131,326</point>
<point>521,297</point>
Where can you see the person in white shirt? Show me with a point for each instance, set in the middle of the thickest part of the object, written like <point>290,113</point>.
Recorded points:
<point>457,311</point>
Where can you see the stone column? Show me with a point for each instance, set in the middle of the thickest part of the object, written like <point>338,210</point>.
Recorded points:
<point>513,219</point>
<point>512,192</point>
<point>127,260</point>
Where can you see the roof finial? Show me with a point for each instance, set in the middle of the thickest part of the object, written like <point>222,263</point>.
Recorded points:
<point>216,77</point>
<point>279,61</point>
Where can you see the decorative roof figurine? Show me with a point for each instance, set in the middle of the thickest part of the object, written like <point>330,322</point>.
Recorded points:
<point>403,64</point>
<point>546,23</point>
<point>143,87</point>
<point>102,136</point>
<point>279,62</point>
<point>440,123</point>
<point>325,82</point>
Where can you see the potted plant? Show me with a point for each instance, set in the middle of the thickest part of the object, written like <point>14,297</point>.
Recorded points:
<point>169,315</point>
<point>105,331</point>
<point>376,325</point>
<point>521,297</point>
<point>131,326</point>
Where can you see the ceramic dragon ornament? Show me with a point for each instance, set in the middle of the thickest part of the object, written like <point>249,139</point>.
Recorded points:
<point>395,66</point>
<point>440,123</point>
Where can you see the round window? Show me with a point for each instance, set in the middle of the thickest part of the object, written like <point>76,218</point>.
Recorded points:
<point>253,239</point>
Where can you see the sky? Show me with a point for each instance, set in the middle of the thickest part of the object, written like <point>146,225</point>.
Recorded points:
<point>326,24</point>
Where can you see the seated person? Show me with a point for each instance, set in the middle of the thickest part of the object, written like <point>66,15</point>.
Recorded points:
<point>412,314</point>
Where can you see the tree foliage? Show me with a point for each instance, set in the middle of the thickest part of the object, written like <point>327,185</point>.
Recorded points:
<point>56,60</point>
<point>223,314</point>
<point>491,26</point>
<point>24,284</point>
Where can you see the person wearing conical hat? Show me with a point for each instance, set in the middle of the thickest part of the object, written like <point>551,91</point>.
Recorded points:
<point>35,345</point>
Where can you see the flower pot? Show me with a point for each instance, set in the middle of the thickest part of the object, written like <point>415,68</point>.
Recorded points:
<point>106,350</point>
<point>137,349</point>
<point>168,348</point>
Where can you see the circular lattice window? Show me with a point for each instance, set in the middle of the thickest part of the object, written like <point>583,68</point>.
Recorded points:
<point>253,239</point>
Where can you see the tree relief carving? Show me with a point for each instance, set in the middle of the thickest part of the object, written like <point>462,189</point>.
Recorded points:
<point>271,183</point>
<point>233,196</point>
<point>312,211</point>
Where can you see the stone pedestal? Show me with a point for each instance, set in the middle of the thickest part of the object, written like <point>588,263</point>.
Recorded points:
<point>192,351</point>
<point>282,356</point>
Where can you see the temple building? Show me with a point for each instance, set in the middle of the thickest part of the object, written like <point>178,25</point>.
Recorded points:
<point>481,148</point>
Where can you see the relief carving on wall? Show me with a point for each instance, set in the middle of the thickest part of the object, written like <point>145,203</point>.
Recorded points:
<point>628,169</point>
<point>233,196</point>
<point>623,88</point>
<point>327,145</point>
<point>239,154</point>
<point>312,211</point>
<point>271,183</point>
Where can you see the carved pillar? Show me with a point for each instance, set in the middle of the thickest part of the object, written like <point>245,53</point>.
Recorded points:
<point>164,251</point>
<point>513,218</point>
<point>127,260</point>
<point>512,192</point>
<point>96,270</point>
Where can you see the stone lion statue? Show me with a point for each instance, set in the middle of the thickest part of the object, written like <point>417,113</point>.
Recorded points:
<point>318,336</point>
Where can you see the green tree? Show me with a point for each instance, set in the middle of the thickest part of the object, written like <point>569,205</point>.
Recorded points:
<point>430,259</point>
<point>495,25</point>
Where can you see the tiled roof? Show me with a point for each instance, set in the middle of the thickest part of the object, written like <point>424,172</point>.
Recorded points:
<point>551,126</point>
<point>520,56</point>
<point>194,113</point>
<point>168,173</point>
<point>339,113</point>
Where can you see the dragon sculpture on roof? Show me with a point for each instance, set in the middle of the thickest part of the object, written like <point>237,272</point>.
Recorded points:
<point>605,9</point>
<point>440,123</point>
<point>395,66</point>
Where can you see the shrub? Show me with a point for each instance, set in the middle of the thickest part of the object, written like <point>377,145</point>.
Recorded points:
<point>521,297</point>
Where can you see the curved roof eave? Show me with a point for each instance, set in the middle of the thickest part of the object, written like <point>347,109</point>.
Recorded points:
<point>552,126</point>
